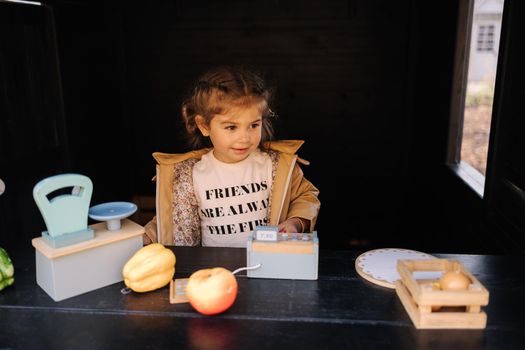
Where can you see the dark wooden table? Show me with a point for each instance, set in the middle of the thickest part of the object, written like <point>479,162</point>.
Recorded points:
<point>340,310</point>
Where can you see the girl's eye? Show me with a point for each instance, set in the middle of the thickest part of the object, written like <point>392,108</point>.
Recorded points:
<point>230,127</point>
<point>255,125</point>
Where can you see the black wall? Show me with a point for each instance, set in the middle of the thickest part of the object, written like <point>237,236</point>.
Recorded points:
<point>367,84</point>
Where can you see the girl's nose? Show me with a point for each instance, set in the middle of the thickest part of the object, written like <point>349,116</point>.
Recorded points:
<point>244,135</point>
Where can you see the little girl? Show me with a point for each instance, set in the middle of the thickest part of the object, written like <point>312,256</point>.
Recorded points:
<point>237,178</point>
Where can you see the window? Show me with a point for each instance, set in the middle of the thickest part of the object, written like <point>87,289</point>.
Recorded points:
<point>475,74</point>
<point>486,37</point>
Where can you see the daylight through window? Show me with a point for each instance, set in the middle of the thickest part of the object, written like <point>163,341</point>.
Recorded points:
<point>485,33</point>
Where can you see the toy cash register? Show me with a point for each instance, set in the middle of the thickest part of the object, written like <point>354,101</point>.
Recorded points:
<point>282,255</point>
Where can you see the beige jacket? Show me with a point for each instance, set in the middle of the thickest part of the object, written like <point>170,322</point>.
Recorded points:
<point>177,221</point>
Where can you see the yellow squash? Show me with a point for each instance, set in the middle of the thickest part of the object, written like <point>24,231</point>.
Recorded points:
<point>151,267</point>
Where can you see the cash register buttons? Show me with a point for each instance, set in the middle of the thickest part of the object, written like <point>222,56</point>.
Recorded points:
<point>306,237</point>
<point>284,236</point>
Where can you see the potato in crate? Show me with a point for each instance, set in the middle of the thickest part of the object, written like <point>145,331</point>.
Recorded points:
<point>453,301</point>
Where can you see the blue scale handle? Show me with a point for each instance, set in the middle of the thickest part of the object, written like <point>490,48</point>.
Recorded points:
<point>64,213</point>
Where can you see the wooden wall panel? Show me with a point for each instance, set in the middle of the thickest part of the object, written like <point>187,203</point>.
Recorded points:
<point>33,142</point>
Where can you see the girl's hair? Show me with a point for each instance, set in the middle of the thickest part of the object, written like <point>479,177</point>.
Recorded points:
<point>220,89</point>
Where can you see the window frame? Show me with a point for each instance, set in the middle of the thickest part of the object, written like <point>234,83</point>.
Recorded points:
<point>502,189</point>
<point>462,169</point>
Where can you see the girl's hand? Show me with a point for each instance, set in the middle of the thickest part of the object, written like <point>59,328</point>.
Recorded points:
<point>292,225</point>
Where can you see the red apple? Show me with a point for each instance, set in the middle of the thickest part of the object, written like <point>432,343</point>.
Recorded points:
<point>211,291</point>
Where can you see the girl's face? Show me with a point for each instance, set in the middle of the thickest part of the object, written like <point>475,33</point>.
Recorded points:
<point>235,134</point>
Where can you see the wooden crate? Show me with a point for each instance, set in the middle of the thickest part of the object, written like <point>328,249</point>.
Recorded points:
<point>421,298</point>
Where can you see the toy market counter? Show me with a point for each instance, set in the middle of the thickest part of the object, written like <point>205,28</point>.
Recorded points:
<point>338,310</point>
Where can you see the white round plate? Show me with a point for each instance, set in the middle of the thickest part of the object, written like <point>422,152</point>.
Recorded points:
<point>379,265</point>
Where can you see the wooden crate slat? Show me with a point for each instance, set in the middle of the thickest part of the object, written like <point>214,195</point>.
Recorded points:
<point>463,308</point>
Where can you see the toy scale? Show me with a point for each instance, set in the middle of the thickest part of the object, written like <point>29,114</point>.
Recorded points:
<point>73,258</point>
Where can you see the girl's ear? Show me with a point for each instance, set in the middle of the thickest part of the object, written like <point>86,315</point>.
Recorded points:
<point>201,124</point>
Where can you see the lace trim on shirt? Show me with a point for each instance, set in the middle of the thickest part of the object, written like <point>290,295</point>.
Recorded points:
<point>274,156</point>
<point>186,221</point>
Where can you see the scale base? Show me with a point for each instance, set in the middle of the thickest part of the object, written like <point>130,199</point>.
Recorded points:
<point>68,238</point>
<point>80,268</point>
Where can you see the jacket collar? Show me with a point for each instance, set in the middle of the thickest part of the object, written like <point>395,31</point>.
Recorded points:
<point>285,146</point>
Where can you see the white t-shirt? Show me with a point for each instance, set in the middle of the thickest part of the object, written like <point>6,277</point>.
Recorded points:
<point>233,197</point>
